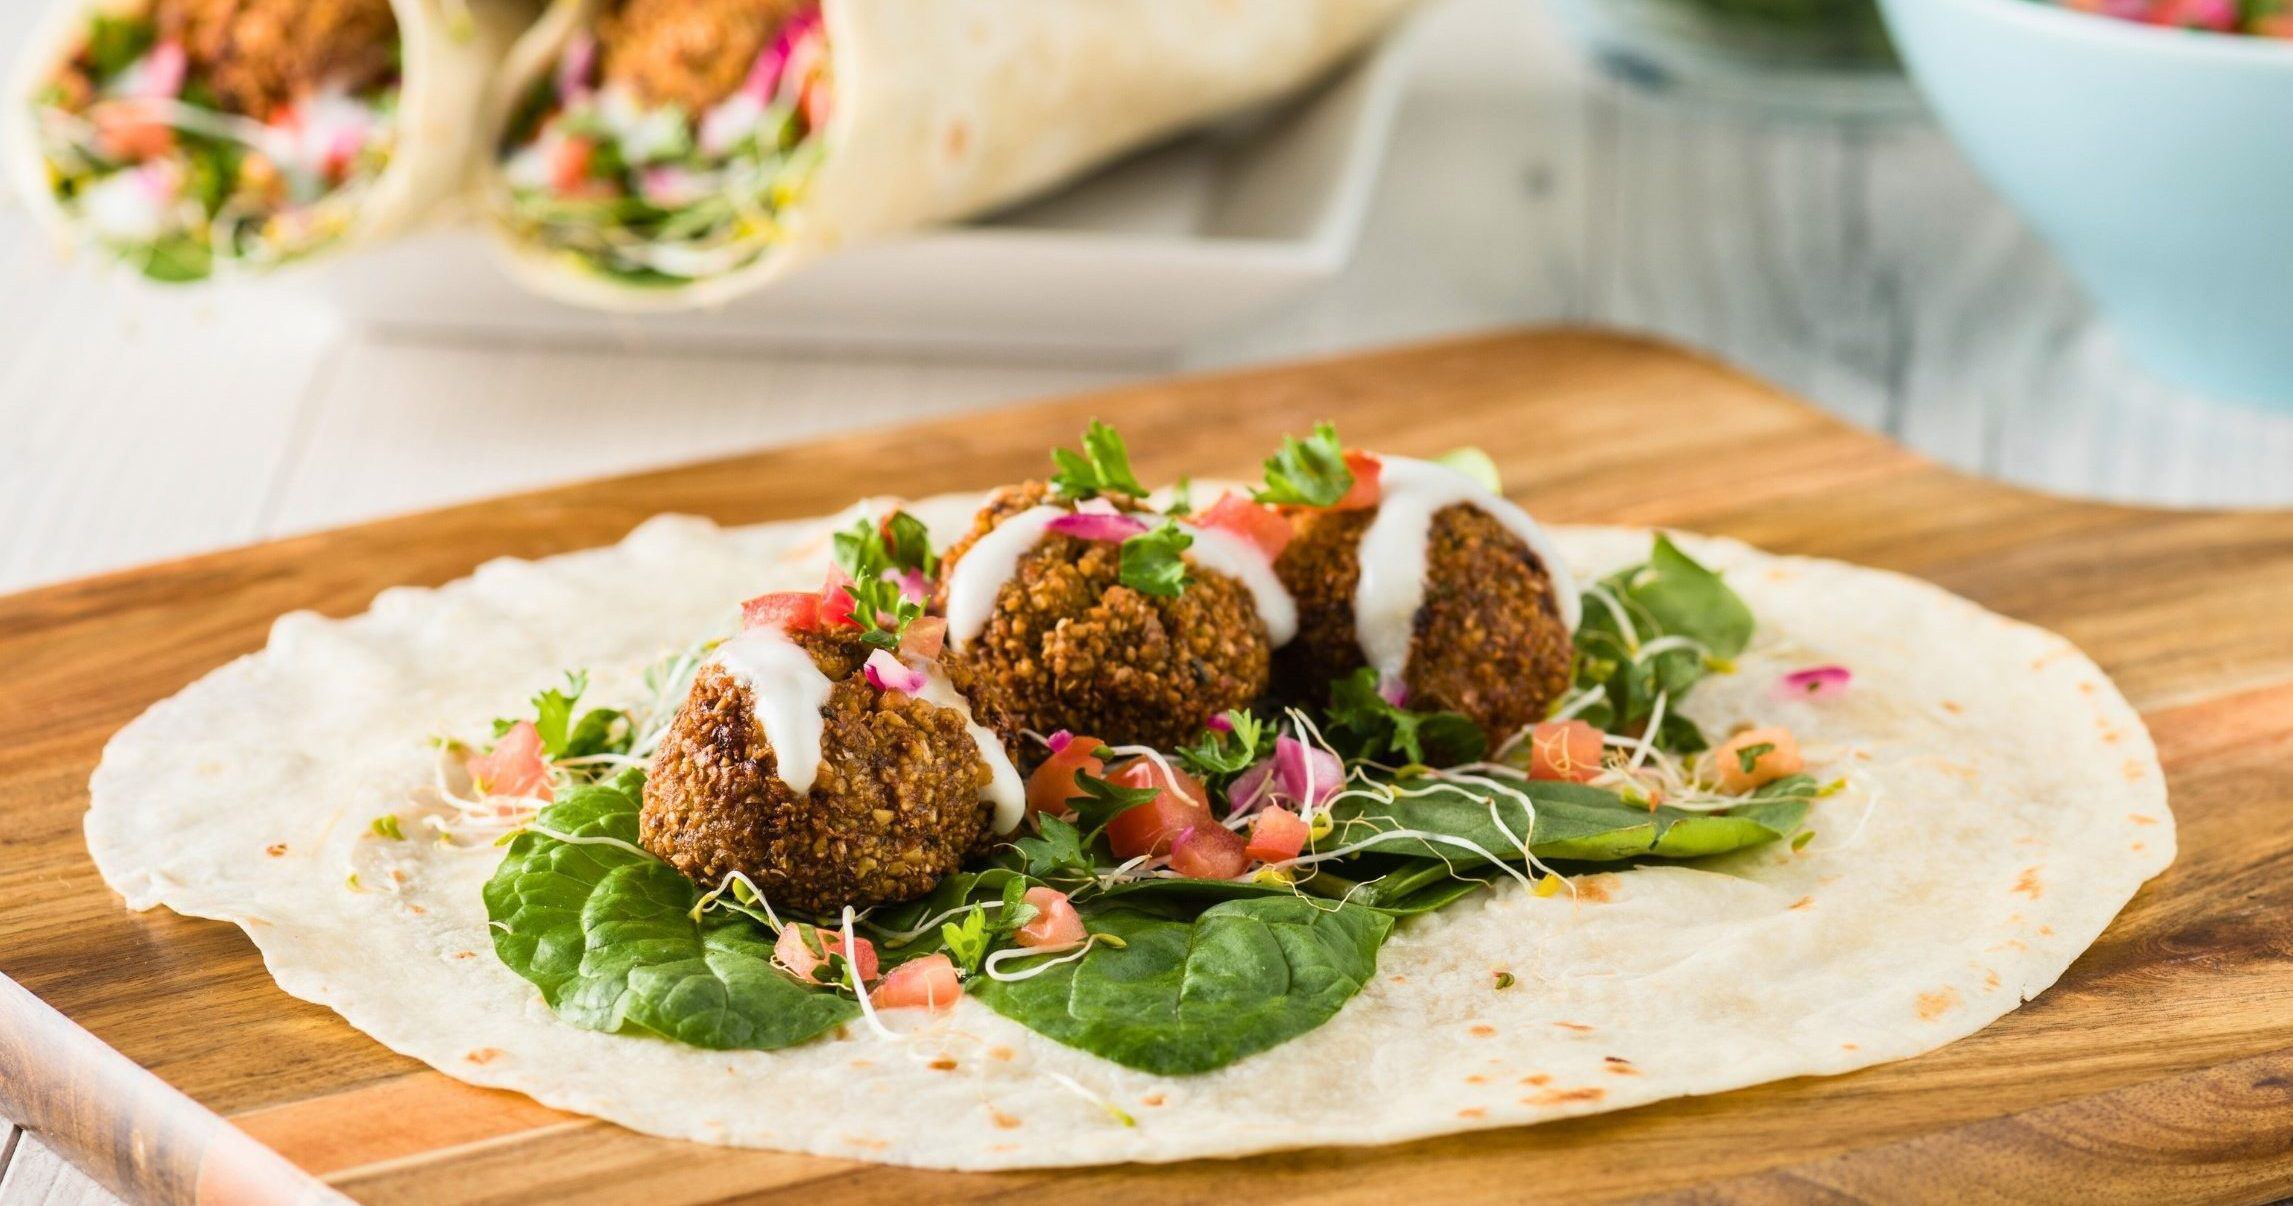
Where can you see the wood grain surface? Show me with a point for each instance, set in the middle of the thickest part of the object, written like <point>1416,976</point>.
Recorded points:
<point>2160,1066</point>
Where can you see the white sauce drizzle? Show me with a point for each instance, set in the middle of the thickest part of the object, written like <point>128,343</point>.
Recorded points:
<point>787,692</point>
<point>1393,555</point>
<point>985,567</point>
<point>1004,788</point>
<point>1221,551</point>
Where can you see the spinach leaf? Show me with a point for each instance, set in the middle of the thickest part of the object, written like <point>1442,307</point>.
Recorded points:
<point>1362,724</point>
<point>1669,598</point>
<point>606,932</point>
<point>1181,997</point>
<point>1573,822</point>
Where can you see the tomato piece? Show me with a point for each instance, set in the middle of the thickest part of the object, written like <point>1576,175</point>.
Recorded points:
<point>787,610</point>
<point>1209,850</point>
<point>924,637</point>
<point>1741,770</point>
<point>1567,750</point>
<point>130,138</point>
<point>569,166</point>
<point>793,950</point>
<point>1276,834</point>
<point>836,600</point>
<point>1366,491</point>
<point>1054,783</point>
<point>1056,922</point>
<point>1180,804</point>
<point>929,983</point>
<point>514,767</point>
<point>1255,522</point>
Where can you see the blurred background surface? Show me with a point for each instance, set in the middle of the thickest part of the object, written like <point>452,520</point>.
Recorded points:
<point>1863,266</point>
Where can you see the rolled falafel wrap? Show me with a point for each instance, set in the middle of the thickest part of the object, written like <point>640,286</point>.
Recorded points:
<point>658,154</point>
<point>192,138</point>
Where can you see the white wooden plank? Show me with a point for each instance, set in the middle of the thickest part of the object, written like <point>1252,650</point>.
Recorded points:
<point>36,1176</point>
<point>404,425</point>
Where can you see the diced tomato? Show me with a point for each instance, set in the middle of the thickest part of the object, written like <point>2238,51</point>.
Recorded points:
<point>815,103</point>
<point>794,951</point>
<point>924,637</point>
<point>1056,922</point>
<point>1275,835</point>
<point>787,610</point>
<point>1209,850</point>
<point>1179,805</point>
<point>928,982</point>
<point>1255,522</point>
<point>569,166</point>
<point>124,135</point>
<point>1053,783</point>
<point>1780,759</point>
<point>1568,750</point>
<point>836,600</point>
<point>1366,491</point>
<point>514,767</point>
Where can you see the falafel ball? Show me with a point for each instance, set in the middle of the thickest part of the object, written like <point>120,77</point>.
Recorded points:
<point>897,804</point>
<point>691,52</point>
<point>1068,646</point>
<point>260,54</point>
<point>1489,639</point>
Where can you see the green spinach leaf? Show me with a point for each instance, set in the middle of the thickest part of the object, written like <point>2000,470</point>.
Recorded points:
<point>606,932</point>
<point>1181,997</point>
<point>1573,822</point>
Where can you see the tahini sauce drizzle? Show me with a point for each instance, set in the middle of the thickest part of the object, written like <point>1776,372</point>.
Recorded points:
<point>981,572</point>
<point>1004,789</point>
<point>1393,555</point>
<point>788,693</point>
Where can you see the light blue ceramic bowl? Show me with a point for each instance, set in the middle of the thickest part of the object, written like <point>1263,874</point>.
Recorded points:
<point>2158,162</point>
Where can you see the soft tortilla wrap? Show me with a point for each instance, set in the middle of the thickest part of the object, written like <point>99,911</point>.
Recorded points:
<point>950,109</point>
<point>446,76</point>
<point>2006,803</point>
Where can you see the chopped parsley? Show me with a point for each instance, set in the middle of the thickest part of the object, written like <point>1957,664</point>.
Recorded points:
<point>1748,758</point>
<point>1102,467</point>
<point>877,556</point>
<point>1231,752</point>
<point>1308,473</point>
<point>1151,561</point>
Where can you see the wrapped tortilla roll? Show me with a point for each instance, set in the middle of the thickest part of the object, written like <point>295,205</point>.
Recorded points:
<point>659,154</point>
<point>196,137</point>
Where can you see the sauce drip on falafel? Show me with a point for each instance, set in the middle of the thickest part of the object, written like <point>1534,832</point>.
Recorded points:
<point>788,691</point>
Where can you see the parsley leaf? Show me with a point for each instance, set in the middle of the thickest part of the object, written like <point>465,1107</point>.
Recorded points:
<point>1310,472</point>
<point>875,556</point>
<point>1151,561</point>
<point>1363,725</point>
<point>1058,854</point>
<point>598,731</point>
<point>882,612</point>
<point>1102,801</point>
<point>1103,467</point>
<point>1229,753</point>
<point>1181,498</point>
<point>1748,758</point>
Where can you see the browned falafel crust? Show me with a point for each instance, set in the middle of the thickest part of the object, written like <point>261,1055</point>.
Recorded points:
<point>1489,640</point>
<point>896,807</point>
<point>1070,647</point>
<point>690,52</point>
<point>260,54</point>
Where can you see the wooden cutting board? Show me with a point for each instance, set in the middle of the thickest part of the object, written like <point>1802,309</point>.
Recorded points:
<point>2161,1066</point>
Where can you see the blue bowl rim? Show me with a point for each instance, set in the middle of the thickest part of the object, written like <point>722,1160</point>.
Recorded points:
<point>2044,15</point>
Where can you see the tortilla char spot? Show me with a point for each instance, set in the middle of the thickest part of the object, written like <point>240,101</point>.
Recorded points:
<point>1933,1005</point>
<point>1953,707</point>
<point>1003,1121</point>
<point>1536,1080</point>
<point>2133,769</point>
<point>2087,687</point>
<point>1595,888</point>
<point>483,1055</point>
<point>416,909</point>
<point>1476,1079</point>
<point>1482,1031</point>
<point>2110,737</point>
<point>1400,979</point>
<point>275,849</point>
<point>1620,1066</point>
<point>2140,819</point>
<point>1152,1099</point>
<point>958,138</point>
<point>1002,1054</point>
<point>1849,1047</point>
<point>1579,1027</point>
<point>1003,1147</point>
<point>2141,846</point>
<point>2027,884</point>
<point>1471,1112</point>
<point>942,1064</point>
<point>1803,902</point>
<point>874,1145</point>
<point>1553,1097</point>
<point>465,954</point>
<point>863,1063</point>
<point>2046,931</point>
<point>1990,980</point>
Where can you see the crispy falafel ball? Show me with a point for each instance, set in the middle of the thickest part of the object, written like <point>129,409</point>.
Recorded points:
<point>691,52</point>
<point>261,54</point>
<point>1068,646</point>
<point>896,807</point>
<point>1489,639</point>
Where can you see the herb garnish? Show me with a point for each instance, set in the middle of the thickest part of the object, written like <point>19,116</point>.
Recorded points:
<point>877,556</point>
<point>1151,563</point>
<point>1362,724</point>
<point>599,731</point>
<point>1308,473</point>
<point>1653,630</point>
<point>1103,467</point>
<point>1219,754</point>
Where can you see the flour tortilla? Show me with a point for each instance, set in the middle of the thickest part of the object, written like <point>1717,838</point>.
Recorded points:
<point>947,109</point>
<point>2006,804</point>
<point>447,70</point>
